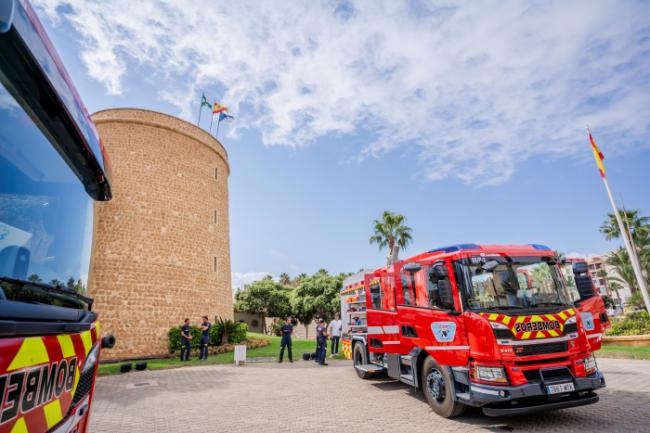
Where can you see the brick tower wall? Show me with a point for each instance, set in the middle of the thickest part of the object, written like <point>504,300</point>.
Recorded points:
<point>161,250</point>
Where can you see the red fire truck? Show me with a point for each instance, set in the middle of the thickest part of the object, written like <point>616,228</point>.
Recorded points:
<point>52,169</point>
<point>493,326</point>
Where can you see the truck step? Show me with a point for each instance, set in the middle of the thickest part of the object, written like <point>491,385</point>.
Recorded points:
<point>370,368</point>
<point>407,379</point>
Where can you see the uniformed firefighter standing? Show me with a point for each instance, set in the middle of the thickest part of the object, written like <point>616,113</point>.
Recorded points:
<point>321,341</point>
<point>205,338</point>
<point>287,331</point>
<point>186,336</point>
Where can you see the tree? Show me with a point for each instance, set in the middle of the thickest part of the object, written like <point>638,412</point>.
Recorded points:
<point>317,296</point>
<point>637,225</point>
<point>639,228</point>
<point>620,260</point>
<point>284,279</point>
<point>35,278</point>
<point>265,297</point>
<point>391,232</point>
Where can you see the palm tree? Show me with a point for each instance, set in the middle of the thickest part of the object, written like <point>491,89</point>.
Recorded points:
<point>637,225</point>
<point>284,279</point>
<point>391,232</point>
<point>639,228</point>
<point>621,261</point>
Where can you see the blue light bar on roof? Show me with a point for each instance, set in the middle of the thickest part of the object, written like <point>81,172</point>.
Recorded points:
<point>458,247</point>
<point>540,247</point>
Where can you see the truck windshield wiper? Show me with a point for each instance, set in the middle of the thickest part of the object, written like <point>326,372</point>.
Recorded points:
<point>504,307</point>
<point>551,304</point>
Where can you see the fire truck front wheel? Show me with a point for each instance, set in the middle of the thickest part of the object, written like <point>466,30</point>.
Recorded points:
<point>437,383</point>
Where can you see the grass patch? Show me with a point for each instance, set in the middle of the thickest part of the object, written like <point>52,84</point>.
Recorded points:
<point>272,350</point>
<point>628,352</point>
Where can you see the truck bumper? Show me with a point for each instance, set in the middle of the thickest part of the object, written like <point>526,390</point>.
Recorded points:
<point>531,397</point>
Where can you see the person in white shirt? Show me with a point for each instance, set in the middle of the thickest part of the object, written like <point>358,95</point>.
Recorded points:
<point>335,329</point>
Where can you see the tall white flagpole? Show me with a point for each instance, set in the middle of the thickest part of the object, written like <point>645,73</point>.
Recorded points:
<point>634,259</point>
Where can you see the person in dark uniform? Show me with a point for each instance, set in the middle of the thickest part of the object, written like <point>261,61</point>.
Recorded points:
<point>205,337</point>
<point>286,331</point>
<point>186,336</point>
<point>321,341</point>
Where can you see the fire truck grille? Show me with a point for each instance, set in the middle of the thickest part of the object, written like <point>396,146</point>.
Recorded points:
<point>83,387</point>
<point>540,349</point>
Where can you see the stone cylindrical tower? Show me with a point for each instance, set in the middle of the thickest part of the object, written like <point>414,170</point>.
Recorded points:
<point>161,251</point>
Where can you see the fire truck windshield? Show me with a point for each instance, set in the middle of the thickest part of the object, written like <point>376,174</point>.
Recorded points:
<point>519,283</point>
<point>46,216</point>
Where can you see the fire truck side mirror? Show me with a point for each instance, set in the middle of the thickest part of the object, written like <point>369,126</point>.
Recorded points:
<point>446,294</point>
<point>108,341</point>
<point>439,270</point>
<point>583,281</point>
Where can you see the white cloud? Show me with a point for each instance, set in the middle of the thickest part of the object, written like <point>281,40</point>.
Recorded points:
<point>474,89</point>
<point>240,279</point>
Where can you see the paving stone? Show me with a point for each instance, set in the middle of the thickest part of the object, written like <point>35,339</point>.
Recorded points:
<point>304,397</point>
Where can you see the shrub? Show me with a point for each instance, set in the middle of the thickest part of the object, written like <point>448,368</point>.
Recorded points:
<point>174,336</point>
<point>634,324</point>
<point>238,333</point>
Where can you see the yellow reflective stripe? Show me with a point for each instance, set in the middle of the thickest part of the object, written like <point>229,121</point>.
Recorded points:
<point>536,319</point>
<point>520,319</point>
<point>571,312</point>
<point>506,320</point>
<point>562,315</point>
<point>32,352</point>
<point>76,381</point>
<point>539,334</point>
<point>525,336</point>
<point>493,316</point>
<point>87,341</point>
<point>20,426</point>
<point>553,333</point>
<point>550,317</point>
<point>67,348</point>
<point>97,330</point>
<point>52,413</point>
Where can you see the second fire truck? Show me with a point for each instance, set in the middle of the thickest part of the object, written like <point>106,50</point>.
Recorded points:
<point>499,327</point>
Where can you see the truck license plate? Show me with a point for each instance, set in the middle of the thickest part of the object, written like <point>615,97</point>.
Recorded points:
<point>560,388</point>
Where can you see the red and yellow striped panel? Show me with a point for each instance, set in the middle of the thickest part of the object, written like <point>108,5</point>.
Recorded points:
<point>528,327</point>
<point>346,348</point>
<point>27,363</point>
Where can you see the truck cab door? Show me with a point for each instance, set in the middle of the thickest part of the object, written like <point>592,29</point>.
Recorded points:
<point>591,307</point>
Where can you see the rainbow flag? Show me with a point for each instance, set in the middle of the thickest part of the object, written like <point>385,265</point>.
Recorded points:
<point>218,108</point>
<point>598,155</point>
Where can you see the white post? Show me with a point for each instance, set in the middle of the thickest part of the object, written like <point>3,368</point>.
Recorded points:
<point>636,266</point>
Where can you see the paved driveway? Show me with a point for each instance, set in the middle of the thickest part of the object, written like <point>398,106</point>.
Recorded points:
<point>303,397</point>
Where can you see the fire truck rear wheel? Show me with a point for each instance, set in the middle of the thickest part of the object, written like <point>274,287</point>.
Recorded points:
<point>359,358</point>
<point>437,384</point>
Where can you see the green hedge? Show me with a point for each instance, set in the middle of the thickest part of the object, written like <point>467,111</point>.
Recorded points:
<point>633,324</point>
<point>237,335</point>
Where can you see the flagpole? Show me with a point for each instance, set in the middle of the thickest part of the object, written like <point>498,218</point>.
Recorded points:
<point>198,122</point>
<point>218,123</point>
<point>211,120</point>
<point>630,250</point>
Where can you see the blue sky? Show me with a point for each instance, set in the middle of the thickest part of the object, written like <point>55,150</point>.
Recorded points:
<point>468,119</point>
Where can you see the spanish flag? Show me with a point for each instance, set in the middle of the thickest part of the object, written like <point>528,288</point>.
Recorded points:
<point>218,108</point>
<point>598,155</point>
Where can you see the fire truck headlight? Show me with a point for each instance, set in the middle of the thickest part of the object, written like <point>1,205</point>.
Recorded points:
<point>490,374</point>
<point>570,320</point>
<point>495,325</point>
<point>91,359</point>
<point>590,364</point>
